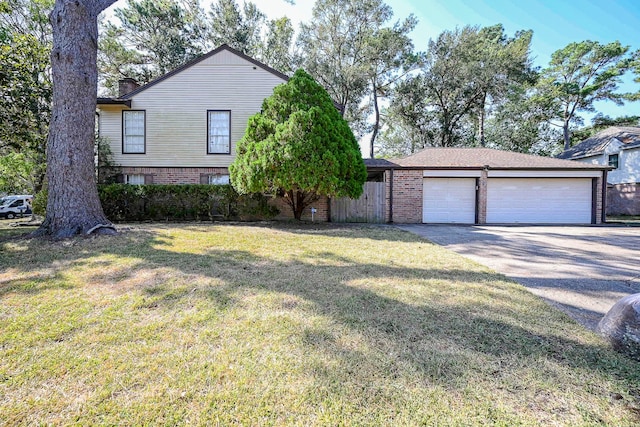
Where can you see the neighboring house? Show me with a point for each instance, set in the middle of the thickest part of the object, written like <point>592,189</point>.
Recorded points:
<point>183,127</point>
<point>486,186</point>
<point>619,148</point>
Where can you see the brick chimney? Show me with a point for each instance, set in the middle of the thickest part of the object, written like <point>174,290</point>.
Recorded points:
<point>127,85</point>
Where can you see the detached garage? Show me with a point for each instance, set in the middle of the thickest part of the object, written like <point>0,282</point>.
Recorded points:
<point>486,186</point>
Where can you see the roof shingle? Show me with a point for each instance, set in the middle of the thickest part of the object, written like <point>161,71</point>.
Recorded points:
<point>595,145</point>
<point>478,158</point>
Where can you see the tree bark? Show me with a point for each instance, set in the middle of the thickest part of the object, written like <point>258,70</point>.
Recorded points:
<point>73,205</point>
<point>481,118</point>
<point>376,124</point>
<point>566,135</point>
<point>299,200</point>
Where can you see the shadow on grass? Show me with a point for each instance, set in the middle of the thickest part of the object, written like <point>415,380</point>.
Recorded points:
<point>439,338</point>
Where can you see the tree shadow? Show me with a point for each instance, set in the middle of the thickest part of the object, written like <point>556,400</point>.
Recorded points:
<point>442,338</point>
<point>489,326</point>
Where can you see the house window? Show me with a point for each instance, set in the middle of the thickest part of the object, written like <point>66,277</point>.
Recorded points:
<point>133,132</point>
<point>218,132</point>
<point>613,161</point>
<point>136,179</point>
<point>218,179</point>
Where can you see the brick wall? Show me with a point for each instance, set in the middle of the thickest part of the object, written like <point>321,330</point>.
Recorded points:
<point>175,175</point>
<point>481,196</point>
<point>321,206</point>
<point>407,196</point>
<point>388,176</point>
<point>599,200</point>
<point>623,199</point>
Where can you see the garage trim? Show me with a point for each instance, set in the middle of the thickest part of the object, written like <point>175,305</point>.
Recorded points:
<point>536,200</point>
<point>452,200</point>
<point>451,173</point>
<point>501,173</point>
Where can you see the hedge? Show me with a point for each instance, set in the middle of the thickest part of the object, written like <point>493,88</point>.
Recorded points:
<point>190,202</point>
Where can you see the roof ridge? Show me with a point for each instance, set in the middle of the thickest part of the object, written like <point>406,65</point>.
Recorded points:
<point>485,157</point>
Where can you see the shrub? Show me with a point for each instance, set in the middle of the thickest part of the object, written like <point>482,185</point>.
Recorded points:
<point>39,203</point>
<point>175,203</point>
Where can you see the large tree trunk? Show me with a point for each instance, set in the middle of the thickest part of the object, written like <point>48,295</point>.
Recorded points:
<point>73,206</point>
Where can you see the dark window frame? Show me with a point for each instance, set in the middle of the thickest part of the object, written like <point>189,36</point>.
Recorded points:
<point>144,149</point>
<point>614,161</point>
<point>207,138</point>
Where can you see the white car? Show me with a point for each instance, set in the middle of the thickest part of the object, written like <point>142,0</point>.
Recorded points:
<point>15,206</point>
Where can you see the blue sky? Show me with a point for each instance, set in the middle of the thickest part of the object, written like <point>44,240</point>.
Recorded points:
<point>555,23</point>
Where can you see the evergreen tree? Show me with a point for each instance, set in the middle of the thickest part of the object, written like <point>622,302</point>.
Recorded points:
<point>579,75</point>
<point>299,146</point>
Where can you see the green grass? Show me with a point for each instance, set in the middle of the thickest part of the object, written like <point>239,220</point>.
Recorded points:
<point>629,219</point>
<point>285,324</point>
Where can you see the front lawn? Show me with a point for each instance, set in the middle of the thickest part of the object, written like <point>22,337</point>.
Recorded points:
<point>286,324</point>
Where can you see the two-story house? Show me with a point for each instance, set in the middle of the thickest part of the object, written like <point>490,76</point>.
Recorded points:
<point>619,148</point>
<point>183,127</point>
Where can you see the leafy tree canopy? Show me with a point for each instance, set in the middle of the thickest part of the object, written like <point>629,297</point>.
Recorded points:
<point>466,73</point>
<point>581,74</point>
<point>25,92</point>
<point>153,38</point>
<point>300,146</point>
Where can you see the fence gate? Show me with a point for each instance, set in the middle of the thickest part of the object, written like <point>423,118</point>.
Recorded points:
<point>370,207</point>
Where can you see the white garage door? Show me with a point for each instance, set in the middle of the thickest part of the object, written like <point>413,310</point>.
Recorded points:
<point>449,200</point>
<point>539,200</point>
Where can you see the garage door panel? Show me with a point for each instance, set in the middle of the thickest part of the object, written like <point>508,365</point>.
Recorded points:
<point>449,200</point>
<point>539,200</point>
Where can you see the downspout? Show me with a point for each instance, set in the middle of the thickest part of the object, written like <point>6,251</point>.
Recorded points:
<point>603,214</point>
<point>391,196</point>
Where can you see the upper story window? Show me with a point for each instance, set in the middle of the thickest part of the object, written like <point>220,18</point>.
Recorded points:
<point>613,161</point>
<point>133,132</point>
<point>218,132</point>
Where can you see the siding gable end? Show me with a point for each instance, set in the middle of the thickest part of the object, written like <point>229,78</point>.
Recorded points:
<point>176,107</point>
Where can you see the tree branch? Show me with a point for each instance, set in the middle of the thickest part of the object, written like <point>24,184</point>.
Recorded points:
<point>103,4</point>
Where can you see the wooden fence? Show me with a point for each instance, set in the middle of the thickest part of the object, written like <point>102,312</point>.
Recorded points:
<point>370,207</point>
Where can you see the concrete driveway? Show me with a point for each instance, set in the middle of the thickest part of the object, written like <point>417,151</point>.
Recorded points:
<point>581,270</point>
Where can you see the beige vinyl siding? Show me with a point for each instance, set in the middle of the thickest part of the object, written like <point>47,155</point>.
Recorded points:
<point>110,126</point>
<point>176,112</point>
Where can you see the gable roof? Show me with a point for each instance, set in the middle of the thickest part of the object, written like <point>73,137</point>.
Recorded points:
<point>595,145</point>
<point>200,59</point>
<point>481,158</point>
